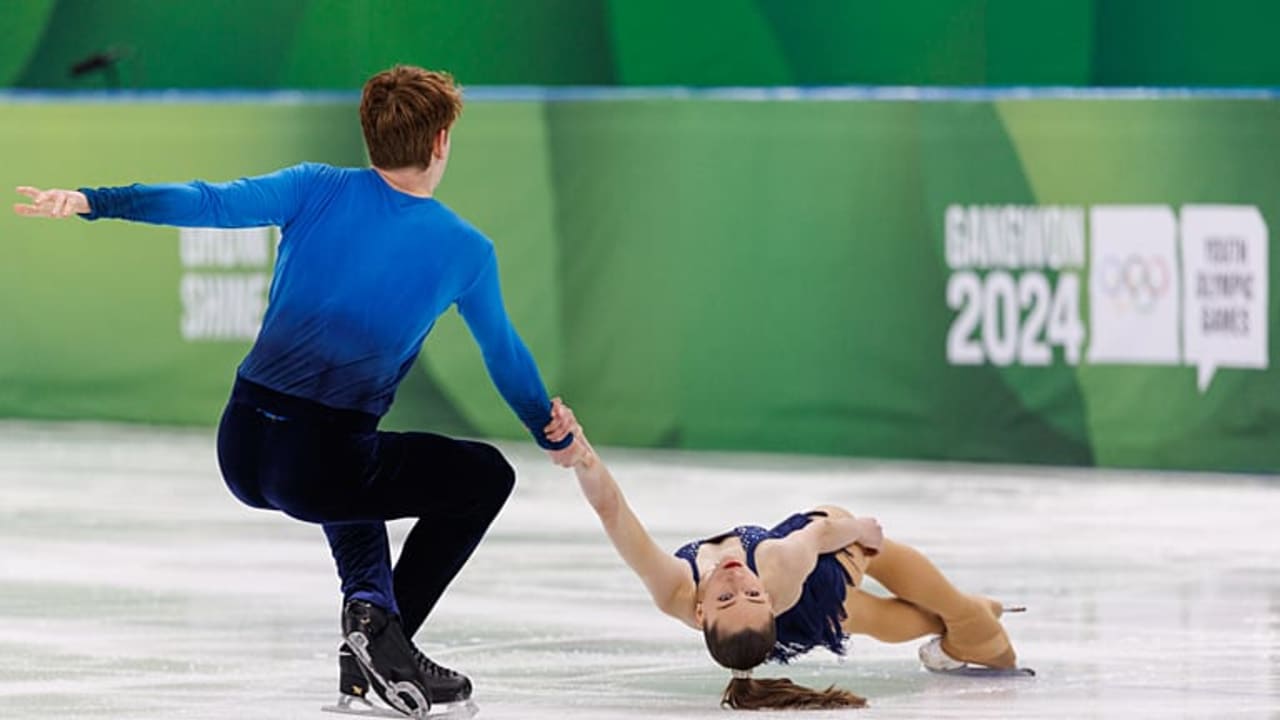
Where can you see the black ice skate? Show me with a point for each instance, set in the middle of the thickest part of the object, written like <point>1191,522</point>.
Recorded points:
<point>448,692</point>
<point>386,659</point>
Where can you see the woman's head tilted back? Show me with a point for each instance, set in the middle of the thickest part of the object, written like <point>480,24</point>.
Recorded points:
<point>403,112</point>
<point>735,611</point>
<point>740,630</point>
<point>740,649</point>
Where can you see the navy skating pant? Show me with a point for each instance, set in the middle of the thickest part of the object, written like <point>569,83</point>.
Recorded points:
<point>334,467</point>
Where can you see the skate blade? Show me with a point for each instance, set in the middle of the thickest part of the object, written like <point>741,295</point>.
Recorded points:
<point>351,705</point>
<point>978,671</point>
<point>454,711</point>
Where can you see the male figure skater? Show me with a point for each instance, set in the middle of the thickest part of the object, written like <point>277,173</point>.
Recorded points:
<point>368,260</point>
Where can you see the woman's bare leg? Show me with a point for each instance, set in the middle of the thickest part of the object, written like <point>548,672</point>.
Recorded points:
<point>973,633</point>
<point>890,620</point>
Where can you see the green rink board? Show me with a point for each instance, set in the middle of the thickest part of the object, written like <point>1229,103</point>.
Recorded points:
<point>774,276</point>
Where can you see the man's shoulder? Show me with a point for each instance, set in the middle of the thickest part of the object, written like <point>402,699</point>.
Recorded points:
<point>463,229</point>
<point>322,170</point>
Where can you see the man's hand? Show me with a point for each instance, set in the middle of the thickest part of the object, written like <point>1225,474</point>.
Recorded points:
<point>51,203</point>
<point>563,423</point>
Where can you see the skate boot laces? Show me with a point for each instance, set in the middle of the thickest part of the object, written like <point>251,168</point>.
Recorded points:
<point>430,667</point>
<point>444,684</point>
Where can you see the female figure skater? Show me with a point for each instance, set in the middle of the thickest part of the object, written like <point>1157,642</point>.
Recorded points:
<point>760,594</point>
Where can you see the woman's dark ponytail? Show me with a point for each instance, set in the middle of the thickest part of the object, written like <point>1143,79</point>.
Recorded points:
<point>781,693</point>
<point>747,648</point>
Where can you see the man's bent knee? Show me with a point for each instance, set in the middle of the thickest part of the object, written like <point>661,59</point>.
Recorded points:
<point>500,477</point>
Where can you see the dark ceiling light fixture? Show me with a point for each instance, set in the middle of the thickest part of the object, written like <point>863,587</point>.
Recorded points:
<point>105,62</point>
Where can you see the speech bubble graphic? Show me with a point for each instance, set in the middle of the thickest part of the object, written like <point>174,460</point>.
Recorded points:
<point>1133,285</point>
<point>1224,270</point>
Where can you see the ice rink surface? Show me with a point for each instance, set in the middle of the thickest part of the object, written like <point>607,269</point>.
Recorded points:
<point>132,585</point>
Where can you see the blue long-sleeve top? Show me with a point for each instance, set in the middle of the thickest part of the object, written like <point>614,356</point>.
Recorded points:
<point>362,273</point>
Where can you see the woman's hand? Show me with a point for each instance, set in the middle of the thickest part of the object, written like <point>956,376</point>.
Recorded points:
<point>51,203</point>
<point>870,534</point>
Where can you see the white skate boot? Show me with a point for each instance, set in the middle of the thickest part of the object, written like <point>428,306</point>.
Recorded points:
<point>936,660</point>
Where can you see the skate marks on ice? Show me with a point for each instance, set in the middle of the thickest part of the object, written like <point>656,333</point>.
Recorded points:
<point>133,587</point>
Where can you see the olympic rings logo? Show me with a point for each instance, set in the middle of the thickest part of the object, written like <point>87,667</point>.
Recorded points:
<point>1139,281</point>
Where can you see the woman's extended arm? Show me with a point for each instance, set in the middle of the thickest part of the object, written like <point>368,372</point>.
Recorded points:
<point>667,578</point>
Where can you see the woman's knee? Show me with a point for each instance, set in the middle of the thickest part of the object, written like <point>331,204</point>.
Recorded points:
<point>834,511</point>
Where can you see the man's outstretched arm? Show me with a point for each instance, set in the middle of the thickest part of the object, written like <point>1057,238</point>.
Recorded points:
<point>249,202</point>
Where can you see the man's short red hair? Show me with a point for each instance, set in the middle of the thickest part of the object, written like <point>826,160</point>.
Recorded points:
<point>401,112</point>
